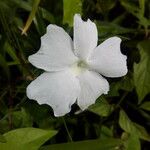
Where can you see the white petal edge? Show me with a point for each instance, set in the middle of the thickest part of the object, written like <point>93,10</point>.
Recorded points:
<point>56,51</point>
<point>92,86</point>
<point>59,90</point>
<point>108,60</point>
<point>85,37</point>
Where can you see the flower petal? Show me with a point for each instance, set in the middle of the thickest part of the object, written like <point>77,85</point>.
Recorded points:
<point>59,90</point>
<point>56,52</point>
<point>92,86</point>
<point>85,36</point>
<point>108,60</point>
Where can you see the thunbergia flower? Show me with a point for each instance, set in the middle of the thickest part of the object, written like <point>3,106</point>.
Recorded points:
<point>74,70</point>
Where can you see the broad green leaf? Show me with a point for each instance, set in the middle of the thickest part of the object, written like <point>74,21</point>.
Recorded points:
<point>71,7</point>
<point>109,29</point>
<point>2,139</point>
<point>126,84</point>
<point>31,16</point>
<point>101,107</point>
<point>114,89</point>
<point>133,142</point>
<point>26,138</point>
<point>105,144</point>
<point>142,6</point>
<point>104,6</point>
<point>142,71</point>
<point>145,106</point>
<point>106,132</point>
<point>127,125</point>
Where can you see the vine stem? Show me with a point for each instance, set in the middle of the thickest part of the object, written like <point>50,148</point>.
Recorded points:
<point>121,100</point>
<point>70,138</point>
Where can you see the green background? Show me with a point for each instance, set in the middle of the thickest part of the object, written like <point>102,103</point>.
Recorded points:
<point>118,121</point>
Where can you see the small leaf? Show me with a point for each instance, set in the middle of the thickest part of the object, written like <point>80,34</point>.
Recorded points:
<point>11,52</point>
<point>26,138</point>
<point>142,71</point>
<point>106,132</point>
<point>105,6</point>
<point>142,6</point>
<point>145,106</point>
<point>21,118</point>
<point>126,84</point>
<point>39,22</point>
<point>114,89</point>
<point>2,139</point>
<point>136,11</point>
<point>133,142</point>
<point>86,145</point>
<point>47,15</point>
<point>111,29</point>
<point>127,125</point>
<point>31,16</point>
<point>130,7</point>
<point>101,107</point>
<point>71,7</point>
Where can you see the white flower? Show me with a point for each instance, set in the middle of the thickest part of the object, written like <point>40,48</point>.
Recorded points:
<point>73,67</point>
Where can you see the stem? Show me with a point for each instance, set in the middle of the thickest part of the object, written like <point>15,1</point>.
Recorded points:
<point>121,99</point>
<point>10,101</point>
<point>70,138</point>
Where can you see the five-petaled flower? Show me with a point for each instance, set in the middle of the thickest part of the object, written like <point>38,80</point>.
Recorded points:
<point>74,70</point>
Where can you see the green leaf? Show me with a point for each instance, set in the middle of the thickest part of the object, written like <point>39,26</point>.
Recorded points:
<point>71,7</point>
<point>11,52</point>
<point>130,7</point>
<point>85,145</point>
<point>127,125</point>
<point>4,65</point>
<point>133,142</point>
<point>109,29</point>
<point>126,84</point>
<point>114,89</point>
<point>101,107</point>
<point>26,138</point>
<point>23,4</point>
<point>106,132</point>
<point>145,106</point>
<point>39,22</point>
<point>21,118</point>
<point>31,16</point>
<point>142,71</point>
<point>142,6</point>
<point>105,6</point>
<point>136,11</point>
<point>2,139</point>
<point>47,15</point>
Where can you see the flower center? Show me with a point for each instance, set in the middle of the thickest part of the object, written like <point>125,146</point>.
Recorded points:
<point>79,67</point>
<point>81,64</point>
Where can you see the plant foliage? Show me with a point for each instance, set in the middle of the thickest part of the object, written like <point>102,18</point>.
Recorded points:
<point>119,120</point>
